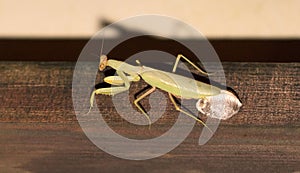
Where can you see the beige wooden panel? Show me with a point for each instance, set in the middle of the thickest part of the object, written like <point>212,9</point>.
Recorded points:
<point>232,18</point>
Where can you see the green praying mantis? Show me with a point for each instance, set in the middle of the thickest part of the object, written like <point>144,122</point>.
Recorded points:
<point>212,101</point>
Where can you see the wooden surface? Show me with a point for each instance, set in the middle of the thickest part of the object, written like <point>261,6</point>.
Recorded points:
<point>39,131</point>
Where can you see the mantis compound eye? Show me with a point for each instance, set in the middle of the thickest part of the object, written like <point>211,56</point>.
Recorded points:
<point>103,62</point>
<point>221,106</point>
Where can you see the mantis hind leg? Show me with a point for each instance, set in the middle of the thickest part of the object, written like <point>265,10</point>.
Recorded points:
<point>190,62</point>
<point>186,113</point>
<point>136,102</point>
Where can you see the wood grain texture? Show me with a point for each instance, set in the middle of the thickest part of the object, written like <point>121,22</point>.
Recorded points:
<point>39,131</point>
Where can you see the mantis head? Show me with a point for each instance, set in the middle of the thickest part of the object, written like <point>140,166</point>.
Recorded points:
<point>221,106</point>
<point>103,62</point>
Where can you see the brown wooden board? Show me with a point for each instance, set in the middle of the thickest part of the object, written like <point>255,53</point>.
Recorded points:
<point>39,131</point>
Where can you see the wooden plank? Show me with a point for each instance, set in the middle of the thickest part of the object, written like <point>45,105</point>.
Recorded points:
<point>52,147</point>
<point>269,92</point>
<point>39,131</point>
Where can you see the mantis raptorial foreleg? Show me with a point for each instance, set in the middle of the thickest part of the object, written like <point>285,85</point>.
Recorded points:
<point>186,113</point>
<point>112,90</point>
<point>136,102</point>
<point>181,56</point>
<point>115,90</point>
<point>117,80</point>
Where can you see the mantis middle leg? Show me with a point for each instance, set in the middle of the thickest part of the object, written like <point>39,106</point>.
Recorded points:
<point>190,62</point>
<point>136,102</point>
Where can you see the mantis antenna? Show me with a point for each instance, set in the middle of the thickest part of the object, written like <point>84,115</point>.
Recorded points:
<point>101,51</point>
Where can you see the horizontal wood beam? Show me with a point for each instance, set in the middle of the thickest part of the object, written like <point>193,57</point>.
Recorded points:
<point>234,50</point>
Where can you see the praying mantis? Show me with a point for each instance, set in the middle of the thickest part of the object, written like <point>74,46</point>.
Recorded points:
<point>212,101</point>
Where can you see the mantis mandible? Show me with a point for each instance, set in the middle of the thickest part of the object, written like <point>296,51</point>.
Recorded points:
<point>211,99</point>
